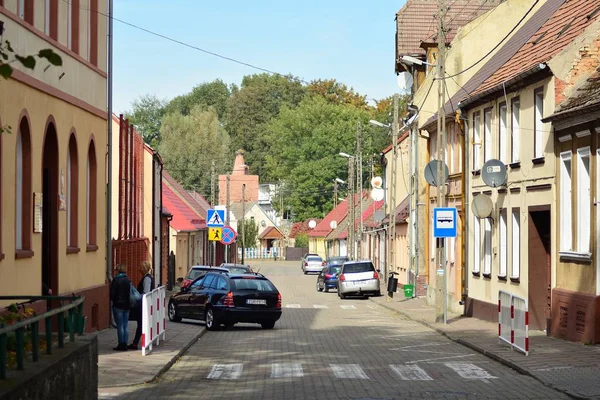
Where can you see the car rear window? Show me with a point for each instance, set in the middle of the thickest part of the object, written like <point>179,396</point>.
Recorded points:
<point>196,272</point>
<point>260,285</point>
<point>237,270</point>
<point>314,258</point>
<point>358,267</point>
<point>335,269</point>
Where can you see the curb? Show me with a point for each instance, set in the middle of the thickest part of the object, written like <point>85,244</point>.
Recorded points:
<point>478,349</point>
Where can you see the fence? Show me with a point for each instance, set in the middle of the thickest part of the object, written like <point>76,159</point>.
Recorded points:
<point>513,313</point>
<point>254,253</point>
<point>74,321</point>
<point>154,318</point>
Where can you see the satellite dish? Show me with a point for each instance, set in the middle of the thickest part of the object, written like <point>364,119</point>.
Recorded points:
<point>431,170</point>
<point>376,181</point>
<point>482,206</point>
<point>405,80</point>
<point>312,223</point>
<point>377,194</point>
<point>379,215</point>
<point>493,173</point>
<point>333,224</point>
<point>263,223</point>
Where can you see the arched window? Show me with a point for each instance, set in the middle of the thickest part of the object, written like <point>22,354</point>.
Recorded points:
<point>91,198</point>
<point>72,194</point>
<point>23,209</point>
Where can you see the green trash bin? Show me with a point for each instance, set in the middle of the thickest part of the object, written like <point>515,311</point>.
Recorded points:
<point>408,290</point>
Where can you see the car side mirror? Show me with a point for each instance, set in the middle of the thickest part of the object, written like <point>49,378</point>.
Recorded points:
<point>184,289</point>
<point>378,270</point>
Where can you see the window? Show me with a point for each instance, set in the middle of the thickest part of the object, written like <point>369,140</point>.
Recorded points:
<point>476,141</point>
<point>487,241</point>
<point>73,25</point>
<point>487,134</point>
<point>23,189</point>
<point>516,243</point>
<point>450,243</point>
<point>502,133</point>
<point>91,198</point>
<point>72,193</point>
<point>450,153</point>
<point>93,32</point>
<point>51,18</point>
<point>584,202</point>
<point>21,9</point>
<point>515,132</point>
<point>565,229</point>
<point>476,245</point>
<point>47,17</point>
<point>25,10</point>
<point>538,139</point>
<point>503,245</point>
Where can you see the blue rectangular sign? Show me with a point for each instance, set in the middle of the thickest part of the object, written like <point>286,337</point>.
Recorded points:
<point>444,222</point>
<point>215,218</point>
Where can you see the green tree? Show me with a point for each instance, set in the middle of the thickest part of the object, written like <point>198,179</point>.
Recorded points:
<point>336,93</point>
<point>301,240</point>
<point>147,114</point>
<point>257,102</point>
<point>208,94</point>
<point>250,233</point>
<point>189,145</point>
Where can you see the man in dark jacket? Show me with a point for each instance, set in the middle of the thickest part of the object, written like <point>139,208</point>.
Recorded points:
<point>119,295</point>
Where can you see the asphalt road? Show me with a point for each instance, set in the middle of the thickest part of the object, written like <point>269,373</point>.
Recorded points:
<point>327,348</point>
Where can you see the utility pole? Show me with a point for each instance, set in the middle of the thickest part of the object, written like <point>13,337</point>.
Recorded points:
<point>213,195</point>
<point>351,208</point>
<point>360,189</point>
<point>393,179</point>
<point>227,221</point>
<point>243,222</point>
<point>335,193</point>
<point>441,297</point>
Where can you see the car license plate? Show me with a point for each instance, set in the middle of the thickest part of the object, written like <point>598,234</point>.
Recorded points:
<point>358,283</point>
<point>256,301</point>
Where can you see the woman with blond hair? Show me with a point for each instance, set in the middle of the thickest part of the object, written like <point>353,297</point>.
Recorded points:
<point>119,295</point>
<point>146,285</point>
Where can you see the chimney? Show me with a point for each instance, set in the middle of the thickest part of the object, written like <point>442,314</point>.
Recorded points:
<point>239,166</point>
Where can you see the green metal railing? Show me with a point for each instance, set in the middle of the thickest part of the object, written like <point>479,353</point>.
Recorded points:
<point>74,322</point>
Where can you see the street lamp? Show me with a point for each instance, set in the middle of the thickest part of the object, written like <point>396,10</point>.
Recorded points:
<point>346,155</point>
<point>379,124</point>
<point>340,181</point>
<point>408,60</point>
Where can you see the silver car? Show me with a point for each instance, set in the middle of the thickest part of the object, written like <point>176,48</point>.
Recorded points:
<point>358,278</point>
<point>312,263</point>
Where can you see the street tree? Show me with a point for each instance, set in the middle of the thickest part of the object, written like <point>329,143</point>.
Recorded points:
<point>208,94</point>
<point>336,93</point>
<point>250,230</point>
<point>146,115</point>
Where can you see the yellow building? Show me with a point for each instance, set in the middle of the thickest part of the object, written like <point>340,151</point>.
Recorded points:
<point>52,186</point>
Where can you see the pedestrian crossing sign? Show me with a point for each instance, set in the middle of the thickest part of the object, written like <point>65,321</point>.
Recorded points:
<point>215,218</point>
<point>215,234</point>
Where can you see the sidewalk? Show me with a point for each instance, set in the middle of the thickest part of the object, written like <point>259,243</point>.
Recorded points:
<point>568,367</point>
<point>124,368</point>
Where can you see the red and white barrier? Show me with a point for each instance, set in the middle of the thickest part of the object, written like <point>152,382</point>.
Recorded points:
<point>513,321</point>
<point>154,318</point>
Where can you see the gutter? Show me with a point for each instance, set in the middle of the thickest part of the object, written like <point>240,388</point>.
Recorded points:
<point>581,110</point>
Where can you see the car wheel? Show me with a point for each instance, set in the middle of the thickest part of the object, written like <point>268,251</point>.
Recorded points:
<point>305,272</point>
<point>378,293</point>
<point>212,324</point>
<point>173,313</point>
<point>268,325</point>
<point>325,288</point>
<point>318,287</point>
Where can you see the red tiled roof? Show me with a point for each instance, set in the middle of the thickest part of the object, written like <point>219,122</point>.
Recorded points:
<point>271,232</point>
<point>184,195</point>
<point>300,227</point>
<point>322,229</point>
<point>200,201</point>
<point>367,215</point>
<point>416,22</point>
<point>585,97</point>
<point>184,217</point>
<point>568,22</point>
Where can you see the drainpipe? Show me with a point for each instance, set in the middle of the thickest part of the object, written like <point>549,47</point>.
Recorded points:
<point>109,145</point>
<point>465,230</point>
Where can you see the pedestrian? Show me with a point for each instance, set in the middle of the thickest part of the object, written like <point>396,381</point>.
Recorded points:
<point>146,285</point>
<point>119,295</point>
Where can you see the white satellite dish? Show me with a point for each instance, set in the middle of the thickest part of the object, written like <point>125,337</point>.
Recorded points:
<point>377,194</point>
<point>312,223</point>
<point>405,80</point>
<point>376,182</point>
<point>333,224</point>
<point>481,206</point>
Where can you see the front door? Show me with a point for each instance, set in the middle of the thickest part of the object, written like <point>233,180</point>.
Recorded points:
<point>50,211</point>
<point>539,268</point>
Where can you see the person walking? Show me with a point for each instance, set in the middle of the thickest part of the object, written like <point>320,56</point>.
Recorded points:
<point>119,295</point>
<point>146,285</point>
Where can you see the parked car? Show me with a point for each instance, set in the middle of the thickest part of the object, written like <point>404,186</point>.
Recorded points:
<point>236,268</point>
<point>226,299</point>
<point>303,259</point>
<point>198,270</point>
<point>327,278</point>
<point>313,263</point>
<point>337,260</point>
<point>358,278</point>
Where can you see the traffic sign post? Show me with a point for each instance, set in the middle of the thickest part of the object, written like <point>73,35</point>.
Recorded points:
<point>215,218</point>
<point>444,226</point>
<point>215,234</point>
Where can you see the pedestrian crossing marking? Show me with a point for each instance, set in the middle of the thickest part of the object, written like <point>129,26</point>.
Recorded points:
<point>348,371</point>
<point>292,306</point>
<point>348,307</point>
<point>410,372</point>
<point>226,371</point>
<point>469,370</point>
<point>291,370</point>
<point>319,306</point>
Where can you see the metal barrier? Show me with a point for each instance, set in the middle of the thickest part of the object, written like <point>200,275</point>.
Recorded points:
<point>504,317</point>
<point>513,320</point>
<point>154,318</point>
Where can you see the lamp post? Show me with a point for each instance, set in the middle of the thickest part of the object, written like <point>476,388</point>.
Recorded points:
<point>350,238</point>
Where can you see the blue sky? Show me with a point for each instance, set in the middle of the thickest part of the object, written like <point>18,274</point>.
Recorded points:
<point>351,41</point>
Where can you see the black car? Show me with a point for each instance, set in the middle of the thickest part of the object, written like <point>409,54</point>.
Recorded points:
<point>226,299</point>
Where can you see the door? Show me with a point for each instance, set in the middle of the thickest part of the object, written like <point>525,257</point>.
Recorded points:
<point>200,295</point>
<point>539,268</point>
<point>50,211</point>
<point>184,300</point>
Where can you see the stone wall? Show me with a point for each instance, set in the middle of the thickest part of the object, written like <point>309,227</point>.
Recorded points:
<point>70,373</point>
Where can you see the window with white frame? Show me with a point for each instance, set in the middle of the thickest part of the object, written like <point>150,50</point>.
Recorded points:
<point>515,130</point>
<point>487,241</point>
<point>566,237</point>
<point>450,152</point>
<point>503,244</point>
<point>476,244</point>
<point>516,243</point>
<point>584,200</point>
<point>487,134</point>
<point>502,133</point>
<point>476,141</point>
<point>21,9</point>
<point>538,141</point>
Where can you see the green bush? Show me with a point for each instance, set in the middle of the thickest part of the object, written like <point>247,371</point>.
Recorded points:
<point>301,240</point>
